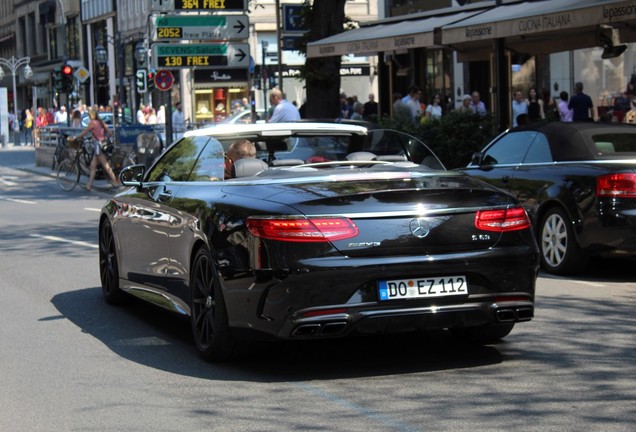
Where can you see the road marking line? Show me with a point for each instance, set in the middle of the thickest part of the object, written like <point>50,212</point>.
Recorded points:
<point>63,240</point>
<point>92,209</point>
<point>17,200</point>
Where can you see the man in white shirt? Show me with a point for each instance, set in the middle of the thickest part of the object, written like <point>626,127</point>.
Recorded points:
<point>141,115</point>
<point>178,121</point>
<point>284,111</point>
<point>519,106</point>
<point>61,116</point>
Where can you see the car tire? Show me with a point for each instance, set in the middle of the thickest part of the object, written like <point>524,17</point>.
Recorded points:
<point>560,253</point>
<point>208,312</point>
<point>108,266</point>
<point>484,334</point>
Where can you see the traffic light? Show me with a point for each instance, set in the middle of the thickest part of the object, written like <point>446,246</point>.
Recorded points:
<point>150,82</point>
<point>141,81</point>
<point>67,79</point>
<point>57,79</point>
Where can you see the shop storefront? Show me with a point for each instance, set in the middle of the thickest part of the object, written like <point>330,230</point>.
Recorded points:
<point>219,93</point>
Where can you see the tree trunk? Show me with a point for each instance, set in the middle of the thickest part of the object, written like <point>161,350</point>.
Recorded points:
<point>322,74</point>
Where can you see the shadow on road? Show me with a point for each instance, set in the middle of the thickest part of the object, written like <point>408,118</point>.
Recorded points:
<point>159,339</point>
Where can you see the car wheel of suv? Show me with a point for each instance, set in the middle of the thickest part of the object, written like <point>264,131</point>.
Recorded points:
<point>108,268</point>
<point>209,315</point>
<point>560,253</point>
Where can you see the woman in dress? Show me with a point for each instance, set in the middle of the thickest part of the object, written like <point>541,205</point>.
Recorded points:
<point>535,106</point>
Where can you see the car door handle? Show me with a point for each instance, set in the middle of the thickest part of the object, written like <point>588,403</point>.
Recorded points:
<point>505,179</point>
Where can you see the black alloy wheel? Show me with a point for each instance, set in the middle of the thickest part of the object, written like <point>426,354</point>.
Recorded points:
<point>209,315</point>
<point>108,268</point>
<point>560,253</point>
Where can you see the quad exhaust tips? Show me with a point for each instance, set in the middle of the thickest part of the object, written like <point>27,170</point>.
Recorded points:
<point>509,315</point>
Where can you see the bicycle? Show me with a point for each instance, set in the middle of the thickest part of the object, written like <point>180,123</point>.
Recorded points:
<point>60,149</point>
<point>70,170</point>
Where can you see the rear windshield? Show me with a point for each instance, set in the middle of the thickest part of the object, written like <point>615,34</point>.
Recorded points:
<point>614,144</point>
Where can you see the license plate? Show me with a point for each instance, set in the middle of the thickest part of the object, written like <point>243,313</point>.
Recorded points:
<point>422,288</point>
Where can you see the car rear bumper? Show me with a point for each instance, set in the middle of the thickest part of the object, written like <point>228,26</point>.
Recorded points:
<point>333,297</point>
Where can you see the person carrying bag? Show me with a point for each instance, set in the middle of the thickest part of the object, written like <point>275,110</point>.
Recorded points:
<point>99,132</point>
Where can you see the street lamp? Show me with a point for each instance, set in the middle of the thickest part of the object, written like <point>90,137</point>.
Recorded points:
<point>13,64</point>
<point>101,56</point>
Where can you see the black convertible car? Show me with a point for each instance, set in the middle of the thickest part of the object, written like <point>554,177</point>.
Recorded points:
<point>578,183</point>
<point>355,245</point>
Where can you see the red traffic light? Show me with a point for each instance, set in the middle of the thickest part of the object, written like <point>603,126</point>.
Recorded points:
<point>67,70</point>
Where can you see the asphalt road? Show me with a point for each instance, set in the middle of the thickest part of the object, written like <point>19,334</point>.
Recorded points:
<point>70,362</point>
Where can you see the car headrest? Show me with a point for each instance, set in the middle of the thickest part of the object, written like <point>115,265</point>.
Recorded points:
<point>391,158</point>
<point>248,167</point>
<point>286,162</point>
<point>361,156</point>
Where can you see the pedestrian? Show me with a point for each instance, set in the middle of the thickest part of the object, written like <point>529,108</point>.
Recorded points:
<point>28,127</point>
<point>358,111</point>
<point>371,108</point>
<point>412,101</point>
<point>40,121</point>
<point>239,149</point>
<point>151,117</point>
<point>141,114</point>
<point>283,110</point>
<point>476,104</point>
<point>161,115</point>
<point>465,106</point>
<point>535,106</point>
<point>401,112</point>
<point>565,113</point>
<point>519,106</point>
<point>99,131</point>
<point>434,109</point>
<point>76,119</point>
<point>630,116</point>
<point>61,116</point>
<point>178,121</point>
<point>581,104</point>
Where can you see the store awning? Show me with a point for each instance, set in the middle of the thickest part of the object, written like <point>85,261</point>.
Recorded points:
<point>541,27</point>
<point>382,37</point>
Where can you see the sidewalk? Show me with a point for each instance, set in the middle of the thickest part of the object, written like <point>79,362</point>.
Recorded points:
<point>25,161</point>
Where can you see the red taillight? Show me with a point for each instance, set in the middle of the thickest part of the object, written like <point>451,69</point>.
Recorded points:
<point>616,185</point>
<point>302,230</point>
<point>510,219</point>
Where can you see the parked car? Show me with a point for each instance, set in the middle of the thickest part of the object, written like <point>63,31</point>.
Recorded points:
<point>578,183</point>
<point>107,116</point>
<point>357,246</point>
<point>241,117</point>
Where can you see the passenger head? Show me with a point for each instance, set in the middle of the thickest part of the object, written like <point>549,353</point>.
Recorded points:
<point>239,149</point>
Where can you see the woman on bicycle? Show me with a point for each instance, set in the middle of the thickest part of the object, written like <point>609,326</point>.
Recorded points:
<point>99,131</point>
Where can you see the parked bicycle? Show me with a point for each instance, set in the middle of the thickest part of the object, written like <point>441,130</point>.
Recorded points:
<point>70,169</point>
<point>60,149</point>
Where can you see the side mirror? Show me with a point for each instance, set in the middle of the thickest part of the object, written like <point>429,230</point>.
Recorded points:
<point>132,175</point>
<point>477,159</point>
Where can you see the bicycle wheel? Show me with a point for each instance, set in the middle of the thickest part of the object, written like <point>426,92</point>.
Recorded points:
<point>67,175</point>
